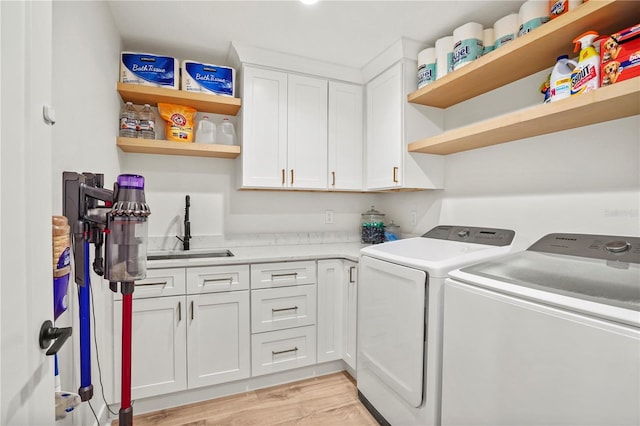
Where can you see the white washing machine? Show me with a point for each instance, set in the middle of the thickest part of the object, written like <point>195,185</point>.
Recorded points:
<point>400,318</point>
<point>547,336</point>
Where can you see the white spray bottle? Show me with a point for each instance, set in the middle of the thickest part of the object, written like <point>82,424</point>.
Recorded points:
<point>586,76</point>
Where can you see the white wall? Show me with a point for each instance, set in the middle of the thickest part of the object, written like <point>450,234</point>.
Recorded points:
<point>85,70</point>
<point>584,180</point>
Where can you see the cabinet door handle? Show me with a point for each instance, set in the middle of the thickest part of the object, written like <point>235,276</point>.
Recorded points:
<point>192,311</point>
<point>395,175</point>
<point>283,176</point>
<point>293,275</point>
<point>351,269</point>
<point>293,308</point>
<point>294,349</point>
<point>333,178</point>
<point>292,177</point>
<point>138,284</point>
<point>179,311</point>
<point>217,280</point>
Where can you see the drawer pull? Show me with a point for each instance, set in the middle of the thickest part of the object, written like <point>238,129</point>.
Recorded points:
<point>295,349</point>
<point>217,280</point>
<point>138,284</point>
<point>294,308</point>
<point>293,275</point>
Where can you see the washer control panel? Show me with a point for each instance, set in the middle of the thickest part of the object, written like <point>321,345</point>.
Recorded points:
<point>472,234</point>
<point>607,247</point>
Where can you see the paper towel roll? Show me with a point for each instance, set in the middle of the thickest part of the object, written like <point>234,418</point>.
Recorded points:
<point>488,40</point>
<point>426,66</point>
<point>531,15</point>
<point>505,29</point>
<point>467,44</point>
<point>444,56</point>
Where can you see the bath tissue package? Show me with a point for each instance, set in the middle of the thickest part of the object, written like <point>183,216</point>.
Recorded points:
<point>467,44</point>
<point>426,66</point>
<point>531,15</point>
<point>444,56</point>
<point>208,78</point>
<point>505,29</point>
<point>149,70</point>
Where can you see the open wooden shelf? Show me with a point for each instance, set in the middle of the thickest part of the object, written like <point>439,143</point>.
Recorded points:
<point>606,103</point>
<point>202,102</point>
<point>155,146</point>
<point>529,54</point>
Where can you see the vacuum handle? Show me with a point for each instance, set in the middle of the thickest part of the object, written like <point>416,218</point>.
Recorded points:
<point>48,333</point>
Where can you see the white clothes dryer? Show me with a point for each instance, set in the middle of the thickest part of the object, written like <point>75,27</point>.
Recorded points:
<point>400,318</point>
<point>547,336</point>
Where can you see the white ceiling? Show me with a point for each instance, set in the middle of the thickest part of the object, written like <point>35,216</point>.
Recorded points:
<point>348,33</point>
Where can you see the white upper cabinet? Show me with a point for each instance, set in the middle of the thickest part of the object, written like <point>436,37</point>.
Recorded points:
<point>284,130</point>
<point>384,129</point>
<point>307,130</point>
<point>264,128</point>
<point>345,136</point>
<point>391,121</point>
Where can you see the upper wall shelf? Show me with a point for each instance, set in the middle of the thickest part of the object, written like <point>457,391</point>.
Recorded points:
<point>154,146</point>
<point>606,103</point>
<point>527,55</point>
<point>202,102</point>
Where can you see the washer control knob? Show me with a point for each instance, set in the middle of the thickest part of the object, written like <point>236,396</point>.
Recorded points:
<point>617,246</point>
<point>463,233</point>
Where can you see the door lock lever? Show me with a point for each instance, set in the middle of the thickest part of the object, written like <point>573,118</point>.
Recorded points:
<point>48,333</point>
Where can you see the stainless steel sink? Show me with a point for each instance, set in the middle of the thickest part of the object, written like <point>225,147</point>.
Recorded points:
<point>190,255</point>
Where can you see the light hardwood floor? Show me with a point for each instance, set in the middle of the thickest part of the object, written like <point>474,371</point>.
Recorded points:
<point>329,400</point>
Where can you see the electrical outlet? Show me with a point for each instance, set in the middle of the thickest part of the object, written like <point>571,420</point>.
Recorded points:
<point>414,218</point>
<point>328,216</point>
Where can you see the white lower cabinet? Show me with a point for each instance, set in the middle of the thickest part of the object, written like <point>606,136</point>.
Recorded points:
<point>217,338</point>
<point>158,346</point>
<point>283,316</point>
<point>337,303</point>
<point>203,326</point>
<point>330,312</point>
<point>350,307</point>
<point>189,340</point>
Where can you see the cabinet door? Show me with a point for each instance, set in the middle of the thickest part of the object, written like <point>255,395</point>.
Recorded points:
<point>307,140</point>
<point>218,338</point>
<point>264,128</point>
<point>345,136</point>
<point>158,349</point>
<point>350,297</point>
<point>384,129</point>
<point>330,309</point>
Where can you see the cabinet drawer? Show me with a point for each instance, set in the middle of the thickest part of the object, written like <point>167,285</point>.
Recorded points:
<point>159,282</point>
<point>283,350</point>
<point>213,279</point>
<point>280,308</point>
<point>283,274</point>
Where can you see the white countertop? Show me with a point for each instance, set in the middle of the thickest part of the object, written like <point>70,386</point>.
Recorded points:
<point>262,254</point>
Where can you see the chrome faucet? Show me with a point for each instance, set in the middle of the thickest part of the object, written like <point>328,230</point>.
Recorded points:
<point>187,224</point>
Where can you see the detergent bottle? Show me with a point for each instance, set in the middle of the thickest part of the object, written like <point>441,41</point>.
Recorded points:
<point>560,80</point>
<point>586,76</point>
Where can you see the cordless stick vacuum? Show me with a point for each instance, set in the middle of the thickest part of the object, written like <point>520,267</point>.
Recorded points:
<point>117,219</point>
